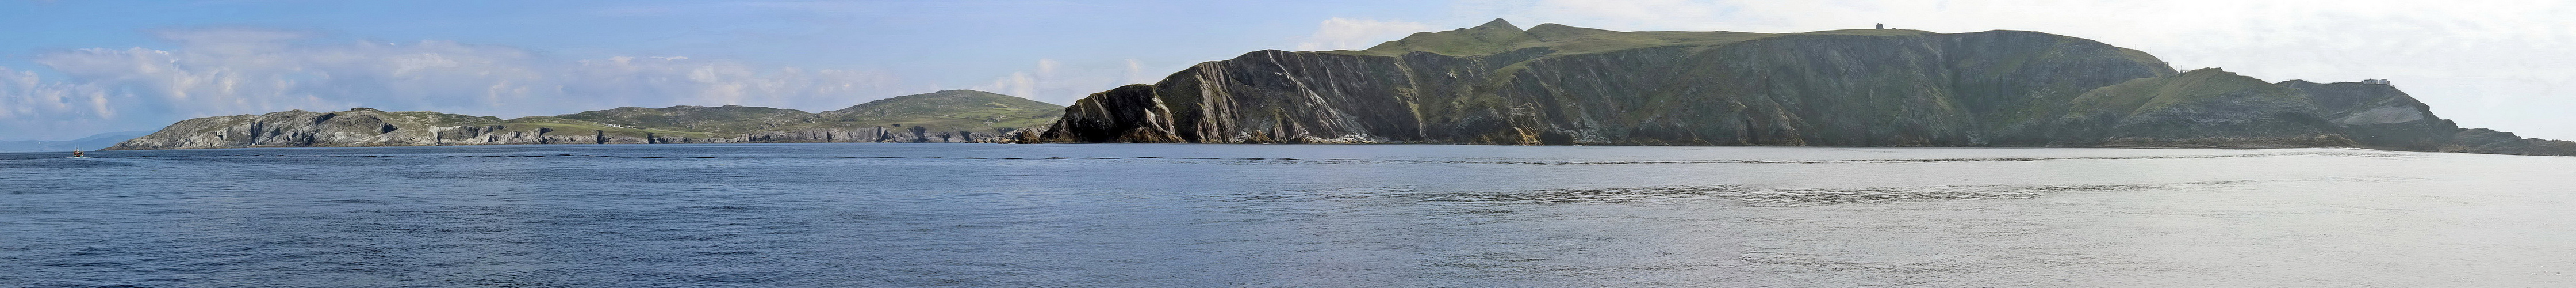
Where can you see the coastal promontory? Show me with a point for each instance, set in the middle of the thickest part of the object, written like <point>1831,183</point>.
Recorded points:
<point>1560,85</point>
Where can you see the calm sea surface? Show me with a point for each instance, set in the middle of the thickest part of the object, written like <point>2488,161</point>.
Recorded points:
<point>1141,215</point>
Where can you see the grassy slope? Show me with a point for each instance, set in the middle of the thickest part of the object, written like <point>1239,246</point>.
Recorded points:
<point>731,119</point>
<point>950,110</point>
<point>944,110</point>
<point>2149,94</point>
<point>1498,37</point>
<point>561,125</point>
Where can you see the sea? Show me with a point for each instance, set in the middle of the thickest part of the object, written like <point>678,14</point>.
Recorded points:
<point>1183,215</point>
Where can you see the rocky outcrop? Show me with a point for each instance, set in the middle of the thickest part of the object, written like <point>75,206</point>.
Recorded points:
<point>949,116</point>
<point>1560,85</point>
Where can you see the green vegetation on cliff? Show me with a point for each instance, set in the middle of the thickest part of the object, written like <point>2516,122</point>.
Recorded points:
<point>959,109</point>
<point>725,119</point>
<point>2149,94</point>
<point>1500,36</point>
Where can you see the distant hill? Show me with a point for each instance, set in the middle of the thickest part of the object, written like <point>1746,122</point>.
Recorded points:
<point>952,109</point>
<point>944,116</point>
<point>93,142</point>
<point>1561,85</point>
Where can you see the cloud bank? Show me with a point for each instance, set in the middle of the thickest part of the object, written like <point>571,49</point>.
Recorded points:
<point>231,71</point>
<point>1354,34</point>
<point>1057,82</point>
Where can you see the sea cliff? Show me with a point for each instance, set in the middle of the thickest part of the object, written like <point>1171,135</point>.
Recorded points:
<point>1561,85</point>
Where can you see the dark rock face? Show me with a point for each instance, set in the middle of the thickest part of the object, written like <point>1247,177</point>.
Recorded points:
<point>1558,85</point>
<point>946,116</point>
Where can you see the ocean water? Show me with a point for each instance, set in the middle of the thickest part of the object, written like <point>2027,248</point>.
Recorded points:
<point>1151,215</point>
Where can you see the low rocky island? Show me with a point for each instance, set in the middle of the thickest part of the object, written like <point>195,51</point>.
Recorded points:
<point>945,116</point>
<point>1560,85</point>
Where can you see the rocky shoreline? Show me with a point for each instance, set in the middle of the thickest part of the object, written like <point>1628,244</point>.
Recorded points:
<point>957,116</point>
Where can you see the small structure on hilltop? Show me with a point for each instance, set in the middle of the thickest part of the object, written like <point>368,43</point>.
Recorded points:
<point>2375,81</point>
<point>1882,26</point>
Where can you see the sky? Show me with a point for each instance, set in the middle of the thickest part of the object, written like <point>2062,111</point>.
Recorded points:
<point>73,68</point>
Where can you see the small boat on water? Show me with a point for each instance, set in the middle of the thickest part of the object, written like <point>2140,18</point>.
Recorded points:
<point>77,154</point>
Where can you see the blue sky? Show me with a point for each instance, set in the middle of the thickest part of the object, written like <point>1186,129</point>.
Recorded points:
<point>953,42</point>
<point>74,68</point>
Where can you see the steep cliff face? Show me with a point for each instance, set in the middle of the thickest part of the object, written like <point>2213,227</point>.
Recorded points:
<point>946,116</point>
<point>1559,85</point>
<point>1496,84</point>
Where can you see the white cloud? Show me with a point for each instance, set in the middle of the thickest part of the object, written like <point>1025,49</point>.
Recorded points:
<point>247,71</point>
<point>2496,64</point>
<point>1138,73</point>
<point>1058,82</point>
<point>1353,34</point>
<point>232,40</point>
<point>692,82</point>
<point>1018,84</point>
<point>33,105</point>
<point>1047,67</point>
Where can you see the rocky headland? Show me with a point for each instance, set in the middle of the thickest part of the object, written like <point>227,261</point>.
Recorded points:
<point>945,116</point>
<point>1560,85</point>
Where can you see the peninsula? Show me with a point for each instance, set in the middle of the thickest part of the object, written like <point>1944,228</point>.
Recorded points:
<point>1561,85</point>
